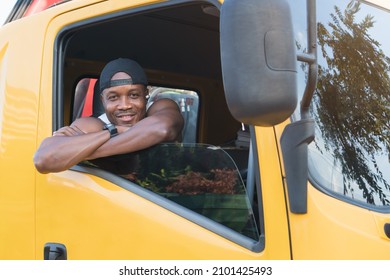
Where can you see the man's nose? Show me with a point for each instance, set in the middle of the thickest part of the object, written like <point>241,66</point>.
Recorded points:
<point>125,103</point>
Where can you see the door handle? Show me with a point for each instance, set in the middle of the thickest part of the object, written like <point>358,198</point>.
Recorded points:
<point>54,251</point>
<point>387,229</point>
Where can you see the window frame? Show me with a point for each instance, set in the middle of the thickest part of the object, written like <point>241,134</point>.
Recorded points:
<point>58,121</point>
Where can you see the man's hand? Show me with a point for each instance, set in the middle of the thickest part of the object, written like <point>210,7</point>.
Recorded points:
<point>70,144</point>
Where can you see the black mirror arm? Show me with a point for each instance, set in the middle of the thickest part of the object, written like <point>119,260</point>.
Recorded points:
<point>298,135</point>
<point>311,58</point>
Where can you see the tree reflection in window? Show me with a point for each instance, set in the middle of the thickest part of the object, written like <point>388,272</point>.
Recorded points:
<point>352,104</point>
<point>200,177</point>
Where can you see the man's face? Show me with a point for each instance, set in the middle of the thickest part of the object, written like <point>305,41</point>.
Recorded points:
<point>124,105</point>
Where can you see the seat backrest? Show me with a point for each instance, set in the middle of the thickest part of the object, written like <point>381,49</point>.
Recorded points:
<point>97,107</point>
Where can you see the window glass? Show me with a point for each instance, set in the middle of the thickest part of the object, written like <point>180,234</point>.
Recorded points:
<point>200,177</point>
<point>24,8</point>
<point>351,105</point>
<point>37,6</point>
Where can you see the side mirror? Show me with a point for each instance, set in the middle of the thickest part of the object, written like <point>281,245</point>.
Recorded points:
<point>258,60</point>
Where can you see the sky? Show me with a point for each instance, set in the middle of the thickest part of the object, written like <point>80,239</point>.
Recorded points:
<point>5,8</point>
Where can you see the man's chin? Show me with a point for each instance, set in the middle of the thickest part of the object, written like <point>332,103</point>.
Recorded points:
<point>127,124</point>
<point>122,123</point>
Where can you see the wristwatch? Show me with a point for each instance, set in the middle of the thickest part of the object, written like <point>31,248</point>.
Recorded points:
<point>112,129</point>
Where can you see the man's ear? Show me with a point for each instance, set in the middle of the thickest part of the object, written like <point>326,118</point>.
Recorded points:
<point>102,99</point>
<point>147,93</point>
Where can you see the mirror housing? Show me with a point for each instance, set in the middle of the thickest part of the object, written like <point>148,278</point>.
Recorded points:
<point>259,60</point>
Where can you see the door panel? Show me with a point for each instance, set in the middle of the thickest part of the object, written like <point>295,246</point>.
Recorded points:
<point>95,219</point>
<point>334,229</point>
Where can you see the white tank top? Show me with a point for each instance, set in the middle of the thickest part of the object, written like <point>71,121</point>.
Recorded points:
<point>103,118</point>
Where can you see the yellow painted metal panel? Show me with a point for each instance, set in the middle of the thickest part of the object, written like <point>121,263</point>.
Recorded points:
<point>96,219</point>
<point>19,93</point>
<point>336,229</point>
<point>274,205</point>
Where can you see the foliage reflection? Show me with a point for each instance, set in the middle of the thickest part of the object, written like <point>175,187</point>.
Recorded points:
<point>352,104</point>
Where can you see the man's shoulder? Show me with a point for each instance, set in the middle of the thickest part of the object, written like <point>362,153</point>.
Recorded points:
<point>163,104</point>
<point>88,124</point>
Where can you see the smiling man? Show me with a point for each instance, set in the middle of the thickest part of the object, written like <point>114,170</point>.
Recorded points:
<point>127,125</point>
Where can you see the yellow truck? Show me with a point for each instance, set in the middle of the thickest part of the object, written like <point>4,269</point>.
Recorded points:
<point>285,151</point>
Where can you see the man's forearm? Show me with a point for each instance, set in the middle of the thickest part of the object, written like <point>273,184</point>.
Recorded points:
<point>61,152</point>
<point>144,134</point>
<point>132,140</point>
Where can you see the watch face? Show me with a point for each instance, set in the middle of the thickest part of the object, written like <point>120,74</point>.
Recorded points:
<point>109,126</point>
<point>112,129</point>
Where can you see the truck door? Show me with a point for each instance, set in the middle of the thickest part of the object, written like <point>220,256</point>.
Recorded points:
<point>349,185</point>
<point>148,208</point>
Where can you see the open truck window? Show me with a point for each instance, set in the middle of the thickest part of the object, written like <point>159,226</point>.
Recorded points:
<point>87,103</point>
<point>205,178</point>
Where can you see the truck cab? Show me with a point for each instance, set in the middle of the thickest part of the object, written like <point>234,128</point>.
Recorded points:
<point>285,151</point>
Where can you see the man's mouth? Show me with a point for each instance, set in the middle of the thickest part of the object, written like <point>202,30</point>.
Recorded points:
<point>128,117</point>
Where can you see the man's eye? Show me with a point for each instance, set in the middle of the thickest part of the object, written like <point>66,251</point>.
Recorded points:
<point>112,97</point>
<point>134,95</point>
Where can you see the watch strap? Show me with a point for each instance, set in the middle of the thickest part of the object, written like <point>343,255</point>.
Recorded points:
<point>112,129</point>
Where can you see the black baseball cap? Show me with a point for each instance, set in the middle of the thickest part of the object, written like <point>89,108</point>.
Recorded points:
<point>132,68</point>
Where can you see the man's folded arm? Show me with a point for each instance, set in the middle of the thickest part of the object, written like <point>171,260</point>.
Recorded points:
<point>69,146</point>
<point>164,123</point>
<point>85,139</point>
